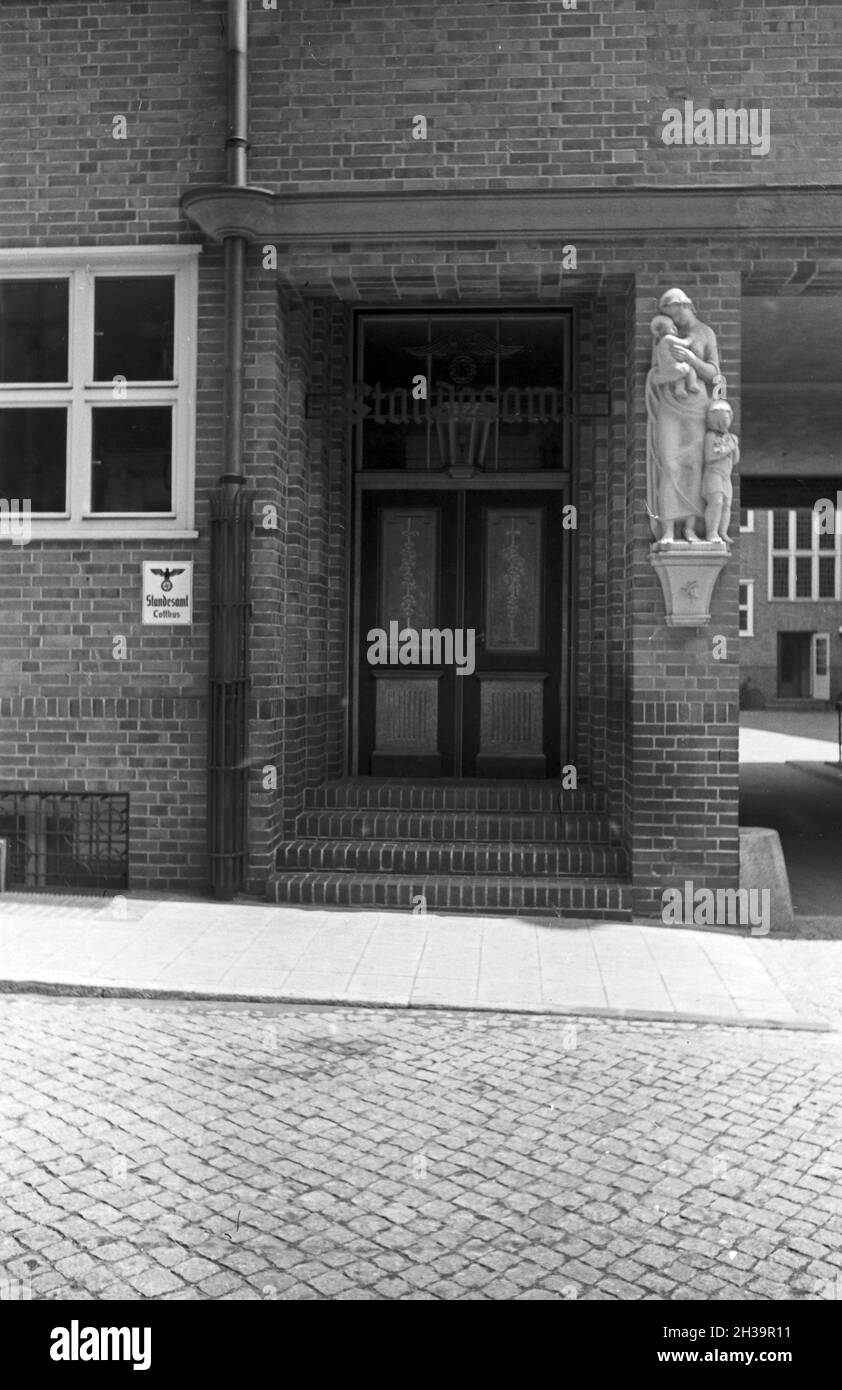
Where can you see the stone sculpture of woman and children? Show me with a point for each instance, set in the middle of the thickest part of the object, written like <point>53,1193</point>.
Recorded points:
<point>690,450</point>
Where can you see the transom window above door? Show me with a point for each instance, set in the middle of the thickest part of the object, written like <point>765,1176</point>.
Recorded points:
<point>463,395</point>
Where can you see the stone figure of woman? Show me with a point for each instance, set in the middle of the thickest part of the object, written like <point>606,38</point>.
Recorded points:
<point>675,436</point>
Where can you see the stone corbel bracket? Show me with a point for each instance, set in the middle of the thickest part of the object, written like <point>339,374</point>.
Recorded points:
<point>688,575</point>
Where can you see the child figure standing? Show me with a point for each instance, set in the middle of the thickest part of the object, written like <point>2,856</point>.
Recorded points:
<point>722,454</point>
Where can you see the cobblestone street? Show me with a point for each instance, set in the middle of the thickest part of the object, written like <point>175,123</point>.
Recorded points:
<point>221,1152</point>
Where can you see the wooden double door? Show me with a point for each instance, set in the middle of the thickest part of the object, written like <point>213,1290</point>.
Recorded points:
<point>462,633</point>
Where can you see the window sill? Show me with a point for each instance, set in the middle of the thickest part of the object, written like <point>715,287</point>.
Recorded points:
<point>86,534</point>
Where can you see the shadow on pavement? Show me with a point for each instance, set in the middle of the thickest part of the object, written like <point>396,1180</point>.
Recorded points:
<point>803,802</point>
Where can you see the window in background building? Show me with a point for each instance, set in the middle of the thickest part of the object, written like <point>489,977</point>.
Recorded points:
<point>802,563</point>
<point>746,607</point>
<point>97,389</point>
<point>746,519</point>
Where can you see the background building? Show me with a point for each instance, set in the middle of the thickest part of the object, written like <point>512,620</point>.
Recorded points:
<point>790,609</point>
<point>791,568</point>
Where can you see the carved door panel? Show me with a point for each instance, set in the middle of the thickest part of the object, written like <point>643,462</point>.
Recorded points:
<point>460,634</point>
<point>511,714</point>
<point>408,574</point>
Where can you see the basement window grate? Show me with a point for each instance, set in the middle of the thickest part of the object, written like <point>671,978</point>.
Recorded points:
<point>65,839</point>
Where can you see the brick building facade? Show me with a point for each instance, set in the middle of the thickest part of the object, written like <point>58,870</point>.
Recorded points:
<point>791,542</point>
<point>790,608</point>
<point>418,174</point>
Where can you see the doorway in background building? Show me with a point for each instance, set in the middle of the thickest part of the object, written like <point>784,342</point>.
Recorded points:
<point>793,665</point>
<point>804,665</point>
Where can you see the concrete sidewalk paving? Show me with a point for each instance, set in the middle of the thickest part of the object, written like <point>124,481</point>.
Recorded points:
<point>189,948</point>
<point>782,736</point>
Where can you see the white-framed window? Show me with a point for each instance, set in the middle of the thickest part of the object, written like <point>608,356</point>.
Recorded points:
<point>803,564</point>
<point>746,607</point>
<point>98,389</point>
<point>746,519</point>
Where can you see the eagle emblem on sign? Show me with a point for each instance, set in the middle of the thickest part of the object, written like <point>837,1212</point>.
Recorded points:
<point>166,578</point>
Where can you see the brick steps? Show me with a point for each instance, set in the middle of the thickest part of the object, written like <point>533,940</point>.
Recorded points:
<point>571,897</point>
<point>456,826</point>
<point>473,846</point>
<point>371,856</point>
<point>478,794</point>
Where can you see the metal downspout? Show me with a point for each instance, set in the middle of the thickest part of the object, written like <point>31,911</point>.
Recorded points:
<point>230,617</point>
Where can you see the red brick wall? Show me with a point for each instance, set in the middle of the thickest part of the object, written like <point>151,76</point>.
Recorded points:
<point>74,717</point>
<point>296,347</point>
<point>66,70</point>
<point>620,339</point>
<point>599,570</point>
<point>77,719</point>
<point>525,94</point>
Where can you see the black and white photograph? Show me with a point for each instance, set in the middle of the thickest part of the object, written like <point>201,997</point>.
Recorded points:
<point>421,668</point>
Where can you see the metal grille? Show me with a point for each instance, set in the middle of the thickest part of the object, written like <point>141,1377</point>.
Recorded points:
<point>66,839</point>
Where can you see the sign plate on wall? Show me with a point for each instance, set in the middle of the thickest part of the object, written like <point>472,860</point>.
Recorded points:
<point>167,592</point>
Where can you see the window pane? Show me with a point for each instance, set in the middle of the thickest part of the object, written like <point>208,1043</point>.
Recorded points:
<point>33,330</point>
<point>133,328</point>
<point>463,368</point>
<point>743,518</point>
<point>132,459</point>
<point>495,392</point>
<point>780,530</point>
<point>33,456</point>
<point>780,578</point>
<point>821,656</point>
<point>827,576</point>
<point>532,367</point>
<point>395,430</point>
<point>803,530</point>
<point>745,604</point>
<point>804,577</point>
<point>827,539</point>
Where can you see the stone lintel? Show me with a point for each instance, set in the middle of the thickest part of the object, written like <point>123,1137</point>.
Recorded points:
<point>604,215</point>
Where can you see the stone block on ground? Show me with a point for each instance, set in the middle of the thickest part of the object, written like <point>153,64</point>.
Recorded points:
<point>762,865</point>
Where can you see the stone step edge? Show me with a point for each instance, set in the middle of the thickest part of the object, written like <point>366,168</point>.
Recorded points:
<point>424,795</point>
<point>609,895</point>
<point>475,826</point>
<point>560,848</point>
<point>580,880</point>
